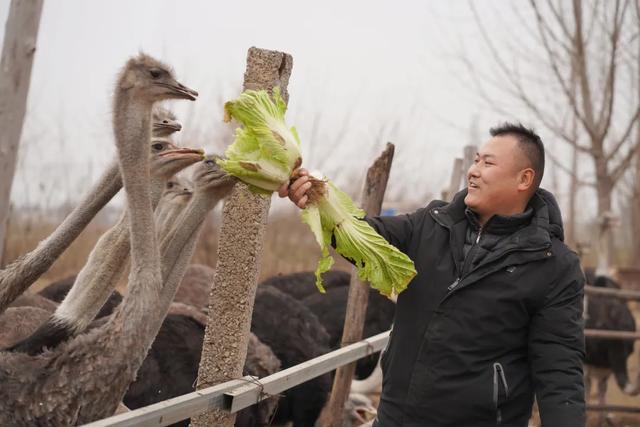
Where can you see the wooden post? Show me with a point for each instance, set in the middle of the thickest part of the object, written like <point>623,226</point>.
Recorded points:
<point>239,251</point>
<point>372,196</point>
<point>456,179</point>
<point>20,36</point>
<point>469,154</point>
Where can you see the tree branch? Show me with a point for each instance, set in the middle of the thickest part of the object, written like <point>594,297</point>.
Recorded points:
<point>619,170</point>
<point>606,111</point>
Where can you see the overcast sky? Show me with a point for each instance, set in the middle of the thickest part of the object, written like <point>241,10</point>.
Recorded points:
<point>390,70</point>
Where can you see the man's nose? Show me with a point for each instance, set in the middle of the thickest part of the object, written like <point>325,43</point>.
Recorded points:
<point>473,171</point>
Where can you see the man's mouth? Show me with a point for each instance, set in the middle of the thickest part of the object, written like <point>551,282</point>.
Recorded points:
<point>473,185</point>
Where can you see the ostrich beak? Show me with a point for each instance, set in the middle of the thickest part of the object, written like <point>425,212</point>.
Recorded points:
<point>184,92</point>
<point>184,151</point>
<point>178,90</point>
<point>170,125</point>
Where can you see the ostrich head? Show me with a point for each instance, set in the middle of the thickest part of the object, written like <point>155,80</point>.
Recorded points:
<point>210,178</point>
<point>164,122</point>
<point>358,409</point>
<point>168,159</point>
<point>178,188</point>
<point>146,78</point>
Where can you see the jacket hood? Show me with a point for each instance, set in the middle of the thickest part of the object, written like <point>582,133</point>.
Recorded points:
<point>554,216</point>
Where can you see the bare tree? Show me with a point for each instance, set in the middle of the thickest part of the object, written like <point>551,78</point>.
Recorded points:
<point>585,46</point>
<point>21,33</point>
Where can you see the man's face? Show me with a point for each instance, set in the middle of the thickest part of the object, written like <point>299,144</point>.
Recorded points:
<point>495,178</point>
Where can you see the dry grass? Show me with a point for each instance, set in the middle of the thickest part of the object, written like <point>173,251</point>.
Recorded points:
<point>289,246</point>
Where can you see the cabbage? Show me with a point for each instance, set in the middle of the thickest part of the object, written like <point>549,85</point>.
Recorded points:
<point>266,154</point>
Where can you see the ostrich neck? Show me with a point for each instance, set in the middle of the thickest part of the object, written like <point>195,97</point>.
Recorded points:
<point>133,133</point>
<point>101,273</point>
<point>132,124</point>
<point>178,246</point>
<point>23,272</point>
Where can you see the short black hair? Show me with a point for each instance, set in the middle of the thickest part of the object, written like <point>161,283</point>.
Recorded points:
<point>529,142</point>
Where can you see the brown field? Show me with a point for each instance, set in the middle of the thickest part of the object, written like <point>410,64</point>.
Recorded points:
<point>289,247</point>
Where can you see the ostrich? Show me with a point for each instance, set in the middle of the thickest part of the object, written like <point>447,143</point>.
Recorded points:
<point>107,261</point>
<point>85,378</point>
<point>606,356</point>
<point>295,335</point>
<point>34,300</point>
<point>15,322</point>
<point>171,367</point>
<point>331,307</point>
<point>195,286</point>
<point>23,272</point>
<point>303,284</point>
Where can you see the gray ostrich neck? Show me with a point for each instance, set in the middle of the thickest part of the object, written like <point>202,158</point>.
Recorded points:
<point>178,246</point>
<point>101,273</point>
<point>23,272</point>
<point>133,132</point>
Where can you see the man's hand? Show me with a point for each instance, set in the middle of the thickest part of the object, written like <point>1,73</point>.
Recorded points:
<point>297,191</point>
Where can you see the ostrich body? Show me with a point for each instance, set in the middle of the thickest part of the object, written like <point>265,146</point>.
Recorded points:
<point>171,367</point>
<point>196,286</point>
<point>24,271</point>
<point>85,378</point>
<point>107,261</point>
<point>303,284</point>
<point>35,300</point>
<point>59,289</point>
<point>295,335</point>
<point>331,308</point>
<point>604,357</point>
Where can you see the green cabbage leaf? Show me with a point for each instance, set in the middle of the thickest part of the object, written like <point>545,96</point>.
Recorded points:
<point>265,154</point>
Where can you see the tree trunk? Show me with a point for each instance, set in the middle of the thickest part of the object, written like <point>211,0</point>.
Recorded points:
<point>635,212</point>
<point>372,196</point>
<point>21,34</point>
<point>604,187</point>
<point>573,192</point>
<point>239,252</point>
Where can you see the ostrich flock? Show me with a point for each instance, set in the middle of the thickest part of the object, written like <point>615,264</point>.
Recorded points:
<point>78,351</point>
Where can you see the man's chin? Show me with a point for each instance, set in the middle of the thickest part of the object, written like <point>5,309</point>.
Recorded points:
<point>468,200</point>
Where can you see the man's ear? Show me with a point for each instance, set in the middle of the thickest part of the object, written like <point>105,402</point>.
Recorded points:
<point>525,179</point>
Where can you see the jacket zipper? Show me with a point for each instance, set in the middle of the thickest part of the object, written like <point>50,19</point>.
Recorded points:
<point>455,283</point>
<point>479,234</point>
<point>499,376</point>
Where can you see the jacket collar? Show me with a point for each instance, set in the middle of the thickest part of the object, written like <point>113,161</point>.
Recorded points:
<point>545,222</point>
<point>500,224</point>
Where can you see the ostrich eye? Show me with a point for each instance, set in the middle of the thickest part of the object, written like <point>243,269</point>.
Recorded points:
<point>155,74</point>
<point>169,184</point>
<point>165,121</point>
<point>157,146</point>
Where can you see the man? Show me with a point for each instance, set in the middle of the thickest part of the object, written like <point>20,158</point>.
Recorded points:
<point>494,314</point>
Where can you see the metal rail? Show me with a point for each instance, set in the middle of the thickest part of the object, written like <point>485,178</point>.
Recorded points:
<point>238,394</point>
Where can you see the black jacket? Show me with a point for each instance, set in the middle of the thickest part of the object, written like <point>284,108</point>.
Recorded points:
<point>474,338</point>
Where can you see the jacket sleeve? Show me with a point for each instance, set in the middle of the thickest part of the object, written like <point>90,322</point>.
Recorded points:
<point>556,349</point>
<point>397,229</point>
